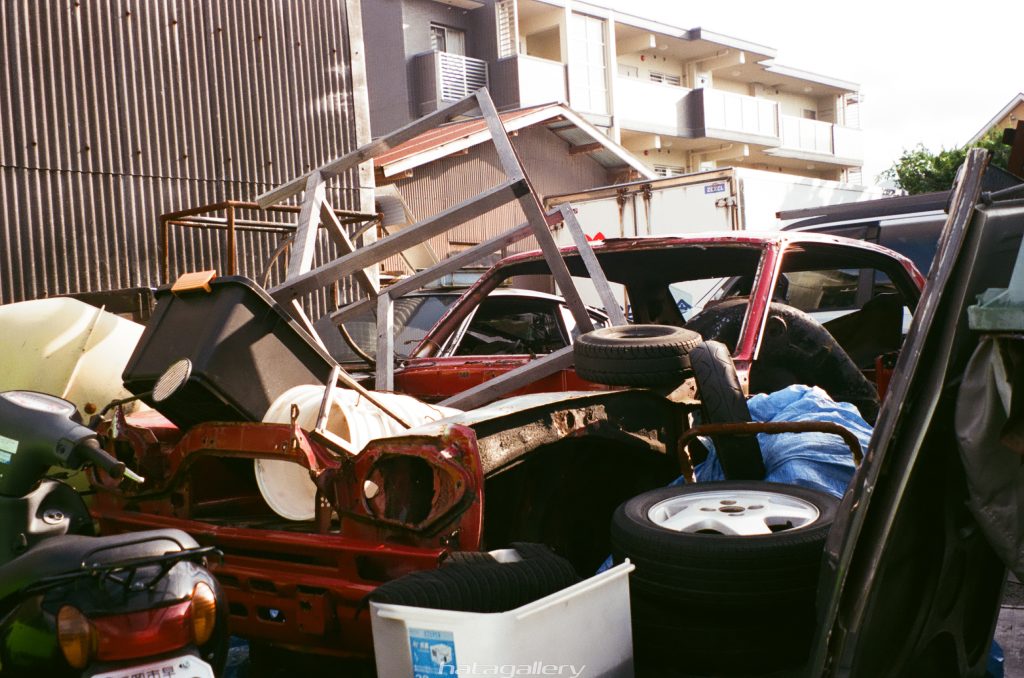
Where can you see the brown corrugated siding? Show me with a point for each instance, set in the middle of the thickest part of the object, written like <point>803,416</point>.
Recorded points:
<point>113,112</point>
<point>449,181</point>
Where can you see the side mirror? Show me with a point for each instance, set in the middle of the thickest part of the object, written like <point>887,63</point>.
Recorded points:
<point>172,380</point>
<point>169,383</point>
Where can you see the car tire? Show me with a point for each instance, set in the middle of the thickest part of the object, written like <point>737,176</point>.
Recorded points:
<point>716,602</point>
<point>723,402</point>
<point>796,349</point>
<point>476,585</point>
<point>635,355</point>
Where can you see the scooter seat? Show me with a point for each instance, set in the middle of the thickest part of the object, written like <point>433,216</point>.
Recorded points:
<point>70,553</point>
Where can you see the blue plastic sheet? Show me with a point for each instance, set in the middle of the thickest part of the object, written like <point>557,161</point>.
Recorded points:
<point>820,461</point>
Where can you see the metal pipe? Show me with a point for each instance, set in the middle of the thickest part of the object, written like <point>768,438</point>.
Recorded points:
<point>165,239</point>
<point>238,226</point>
<point>231,240</point>
<point>753,428</point>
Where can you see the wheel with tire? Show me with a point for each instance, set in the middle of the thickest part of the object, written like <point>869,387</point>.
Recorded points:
<point>726,573</point>
<point>723,402</point>
<point>635,355</point>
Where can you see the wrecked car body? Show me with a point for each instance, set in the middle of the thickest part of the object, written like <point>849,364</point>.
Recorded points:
<point>398,506</point>
<point>544,467</point>
<point>726,282</point>
<point>552,468</point>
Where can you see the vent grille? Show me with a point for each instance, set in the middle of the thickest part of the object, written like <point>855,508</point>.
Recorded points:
<point>461,76</point>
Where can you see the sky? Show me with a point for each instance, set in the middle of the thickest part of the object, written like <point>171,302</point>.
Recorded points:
<point>933,73</point>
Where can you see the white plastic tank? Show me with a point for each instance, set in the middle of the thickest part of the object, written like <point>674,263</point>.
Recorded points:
<point>67,348</point>
<point>286,486</point>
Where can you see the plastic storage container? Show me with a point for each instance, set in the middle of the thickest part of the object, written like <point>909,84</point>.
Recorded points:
<point>245,352</point>
<point>579,632</point>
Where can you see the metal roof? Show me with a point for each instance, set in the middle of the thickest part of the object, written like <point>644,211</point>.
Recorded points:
<point>454,137</point>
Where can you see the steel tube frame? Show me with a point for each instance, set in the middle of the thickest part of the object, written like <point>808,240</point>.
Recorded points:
<point>516,187</point>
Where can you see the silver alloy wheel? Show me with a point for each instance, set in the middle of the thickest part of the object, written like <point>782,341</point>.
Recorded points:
<point>733,512</point>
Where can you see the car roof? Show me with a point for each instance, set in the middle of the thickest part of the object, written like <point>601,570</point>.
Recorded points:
<point>497,292</point>
<point>742,239</point>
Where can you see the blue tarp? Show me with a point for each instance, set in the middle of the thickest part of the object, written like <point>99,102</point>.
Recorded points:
<point>821,461</point>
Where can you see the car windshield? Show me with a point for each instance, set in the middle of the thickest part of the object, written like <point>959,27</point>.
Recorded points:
<point>508,325</point>
<point>414,316</point>
<point>692,295</point>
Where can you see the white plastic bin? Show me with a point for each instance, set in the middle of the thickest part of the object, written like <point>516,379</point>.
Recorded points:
<point>579,632</point>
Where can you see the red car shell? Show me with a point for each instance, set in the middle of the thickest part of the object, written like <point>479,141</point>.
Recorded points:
<point>433,377</point>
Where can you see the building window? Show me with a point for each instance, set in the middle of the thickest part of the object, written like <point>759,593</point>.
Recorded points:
<point>446,39</point>
<point>665,78</point>
<point>508,27</point>
<point>588,64</point>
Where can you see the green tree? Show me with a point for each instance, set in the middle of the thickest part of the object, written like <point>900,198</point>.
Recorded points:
<point>919,170</point>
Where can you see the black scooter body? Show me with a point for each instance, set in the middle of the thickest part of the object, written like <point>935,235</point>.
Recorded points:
<point>49,556</point>
<point>100,576</point>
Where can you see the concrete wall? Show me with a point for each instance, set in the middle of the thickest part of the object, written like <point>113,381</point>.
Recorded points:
<point>386,70</point>
<point>394,32</point>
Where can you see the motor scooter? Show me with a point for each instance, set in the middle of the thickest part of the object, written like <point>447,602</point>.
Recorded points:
<point>76,604</point>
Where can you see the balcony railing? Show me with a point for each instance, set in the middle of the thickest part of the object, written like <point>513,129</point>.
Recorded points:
<point>813,136</point>
<point>738,113</point>
<point>649,106</point>
<point>831,143</point>
<point>848,142</point>
<point>521,80</point>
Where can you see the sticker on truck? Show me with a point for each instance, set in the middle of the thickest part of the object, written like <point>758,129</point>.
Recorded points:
<point>714,188</point>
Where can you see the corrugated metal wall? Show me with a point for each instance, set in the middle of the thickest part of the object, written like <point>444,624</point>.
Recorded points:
<point>113,112</point>
<point>446,182</point>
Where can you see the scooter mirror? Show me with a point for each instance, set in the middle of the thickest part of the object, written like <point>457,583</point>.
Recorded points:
<point>173,378</point>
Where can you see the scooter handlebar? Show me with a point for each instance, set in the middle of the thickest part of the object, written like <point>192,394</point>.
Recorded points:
<point>90,449</point>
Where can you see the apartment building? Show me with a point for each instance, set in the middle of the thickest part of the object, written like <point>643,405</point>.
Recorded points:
<point>681,99</point>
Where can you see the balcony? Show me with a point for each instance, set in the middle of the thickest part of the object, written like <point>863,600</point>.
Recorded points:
<point>656,108</point>
<point>442,78</point>
<point>650,107</point>
<point>732,117</point>
<point>519,81</point>
<point>814,140</point>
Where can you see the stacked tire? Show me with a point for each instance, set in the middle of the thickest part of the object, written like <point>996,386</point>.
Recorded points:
<point>635,355</point>
<point>709,599</point>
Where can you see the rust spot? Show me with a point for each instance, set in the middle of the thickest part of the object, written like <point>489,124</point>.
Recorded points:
<point>90,408</point>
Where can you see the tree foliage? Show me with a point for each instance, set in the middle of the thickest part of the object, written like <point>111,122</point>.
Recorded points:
<point>919,170</point>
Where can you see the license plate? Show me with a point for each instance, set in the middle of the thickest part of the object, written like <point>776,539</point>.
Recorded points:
<point>185,666</point>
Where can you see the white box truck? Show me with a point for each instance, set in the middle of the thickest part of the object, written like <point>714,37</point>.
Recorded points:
<point>730,199</point>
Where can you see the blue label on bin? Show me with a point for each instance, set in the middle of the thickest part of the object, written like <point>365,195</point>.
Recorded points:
<point>433,653</point>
